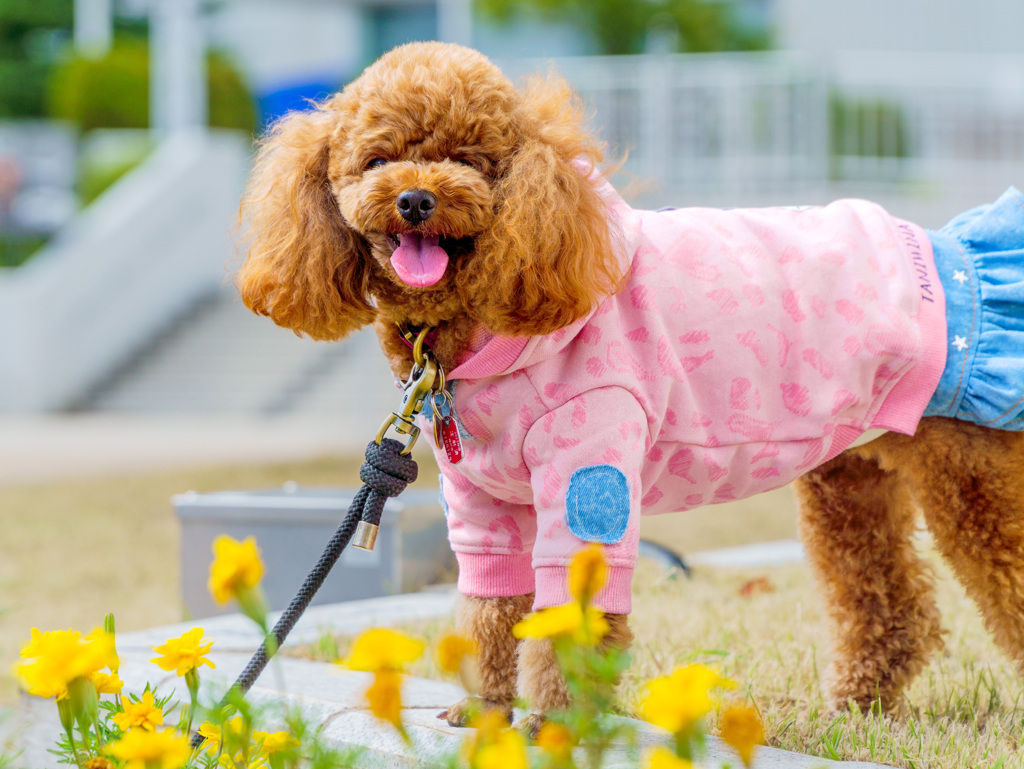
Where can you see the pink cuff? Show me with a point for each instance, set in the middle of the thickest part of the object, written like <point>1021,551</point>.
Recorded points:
<point>615,598</point>
<point>495,575</point>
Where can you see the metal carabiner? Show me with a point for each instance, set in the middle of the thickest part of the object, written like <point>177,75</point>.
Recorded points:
<point>415,392</point>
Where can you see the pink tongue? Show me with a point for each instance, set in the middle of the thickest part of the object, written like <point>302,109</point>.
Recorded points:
<point>419,260</point>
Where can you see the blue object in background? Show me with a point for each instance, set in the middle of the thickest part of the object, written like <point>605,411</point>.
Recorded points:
<point>297,96</point>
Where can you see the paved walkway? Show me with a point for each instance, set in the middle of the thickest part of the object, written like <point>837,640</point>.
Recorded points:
<point>55,447</point>
<point>332,696</point>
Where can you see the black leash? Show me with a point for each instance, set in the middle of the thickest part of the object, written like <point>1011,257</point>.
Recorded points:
<point>388,469</point>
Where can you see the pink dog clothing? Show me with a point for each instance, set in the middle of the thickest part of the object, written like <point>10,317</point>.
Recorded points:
<point>747,347</point>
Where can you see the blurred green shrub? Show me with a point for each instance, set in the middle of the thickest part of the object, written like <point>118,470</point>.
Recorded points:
<point>622,26</point>
<point>865,128</point>
<point>113,92</point>
<point>32,32</point>
<point>105,155</point>
<point>16,249</point>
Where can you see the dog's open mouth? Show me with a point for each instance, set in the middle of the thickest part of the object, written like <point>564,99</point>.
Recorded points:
<point>421,260</point>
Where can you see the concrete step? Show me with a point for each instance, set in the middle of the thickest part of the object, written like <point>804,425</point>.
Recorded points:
<point>223,359</point>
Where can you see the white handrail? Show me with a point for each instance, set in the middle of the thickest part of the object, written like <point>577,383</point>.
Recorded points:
<point>143,253</point>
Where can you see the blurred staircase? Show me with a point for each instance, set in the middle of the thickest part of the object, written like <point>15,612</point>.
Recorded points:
<point>220,359</point>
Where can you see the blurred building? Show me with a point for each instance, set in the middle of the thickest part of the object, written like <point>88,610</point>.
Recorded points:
<point>909,26</point>
<point>918,104</point>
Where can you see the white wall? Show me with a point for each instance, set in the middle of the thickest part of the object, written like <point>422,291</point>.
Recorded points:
<point>968,26</point>
<point>280,43</point>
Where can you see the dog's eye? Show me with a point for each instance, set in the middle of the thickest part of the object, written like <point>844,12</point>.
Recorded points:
<point>467,162</point>
<point>375,163</point>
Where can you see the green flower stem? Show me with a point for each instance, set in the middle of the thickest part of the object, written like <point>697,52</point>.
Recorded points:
<point>67,720</point>
<point>192,682</point>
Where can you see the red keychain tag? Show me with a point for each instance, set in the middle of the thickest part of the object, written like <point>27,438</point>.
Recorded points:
<point>452,440</point>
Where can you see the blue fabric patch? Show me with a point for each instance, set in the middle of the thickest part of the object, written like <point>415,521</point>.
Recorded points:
<point>980,259</point>
<point>597,504</point>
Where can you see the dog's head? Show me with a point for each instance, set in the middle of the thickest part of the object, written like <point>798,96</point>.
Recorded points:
<point>430,189</point>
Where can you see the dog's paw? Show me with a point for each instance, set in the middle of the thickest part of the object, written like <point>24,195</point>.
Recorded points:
<point>530,726</point>
<point>462,712</point>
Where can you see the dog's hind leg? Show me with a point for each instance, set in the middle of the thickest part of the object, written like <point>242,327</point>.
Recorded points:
<point>488,622</point>
<point>969,480</point>
<point>856,522</point>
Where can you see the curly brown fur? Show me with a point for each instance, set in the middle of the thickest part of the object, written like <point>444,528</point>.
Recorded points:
<point>856,523</point>
<point>857,517</point>
<point>488,622</point>
<point>529,246</point>
<point>529,252</point>
<point>968,481</point>
<point>540,681</point>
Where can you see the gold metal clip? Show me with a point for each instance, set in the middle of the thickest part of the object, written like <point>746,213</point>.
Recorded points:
<point>414,394</point>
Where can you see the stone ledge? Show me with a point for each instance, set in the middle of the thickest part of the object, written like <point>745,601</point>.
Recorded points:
<point>330,695</point>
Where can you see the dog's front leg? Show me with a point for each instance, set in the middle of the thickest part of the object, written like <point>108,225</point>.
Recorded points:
<point>488,622</point>
<point>540,680</point>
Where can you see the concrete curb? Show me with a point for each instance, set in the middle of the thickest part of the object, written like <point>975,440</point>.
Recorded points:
<point>332,696</point>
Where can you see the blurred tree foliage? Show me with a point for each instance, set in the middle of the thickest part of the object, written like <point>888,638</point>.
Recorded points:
<point>32,34</point>
<point>622,26</point>
<point>113,92</point>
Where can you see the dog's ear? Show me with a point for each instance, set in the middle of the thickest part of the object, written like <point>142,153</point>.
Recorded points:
<point>305,269</point>
<point>548,258</point>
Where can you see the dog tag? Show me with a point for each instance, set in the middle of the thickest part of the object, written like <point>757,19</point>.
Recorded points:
<point>451,438</point>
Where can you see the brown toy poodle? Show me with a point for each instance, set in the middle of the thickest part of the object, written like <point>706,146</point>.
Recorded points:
<point>604,362</point>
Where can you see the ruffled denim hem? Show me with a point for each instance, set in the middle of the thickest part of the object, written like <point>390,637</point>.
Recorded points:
<point>980,259</point>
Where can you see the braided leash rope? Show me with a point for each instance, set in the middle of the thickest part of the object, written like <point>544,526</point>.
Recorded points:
<point>385,473</point>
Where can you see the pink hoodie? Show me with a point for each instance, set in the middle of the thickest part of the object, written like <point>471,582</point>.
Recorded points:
<point>748,347</point>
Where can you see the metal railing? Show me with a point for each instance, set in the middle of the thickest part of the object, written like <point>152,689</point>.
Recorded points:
<point>777,122</point>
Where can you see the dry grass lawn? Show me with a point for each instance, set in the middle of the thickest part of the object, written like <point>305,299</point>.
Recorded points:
<point>965,711</point>
<point>71,551</point>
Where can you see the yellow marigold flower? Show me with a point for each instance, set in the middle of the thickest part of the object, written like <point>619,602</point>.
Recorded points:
<point>233,741</point>
<point>585,626</point>
<point>452,651</point>
<point>54,659</point>
<point>184,654</point>
<point>385,697</point>
<point>98,762</point>
<point>105,642</point>
<point>236,567</point>
<point>142,749</point>
<point>663,758</point>
<point>107,683</point>
<point>274,742</point>
<point>677,701</point>
<point>506,752</point>
<point>742,728</point>
<point>588,573</point>
<point>494,745</point>
<point>213,734</point>
<point>557,741</point>
<point>143,714</point>
<point>380,649</point>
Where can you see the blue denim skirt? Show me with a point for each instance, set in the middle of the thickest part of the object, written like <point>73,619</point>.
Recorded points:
<point>980,260</point>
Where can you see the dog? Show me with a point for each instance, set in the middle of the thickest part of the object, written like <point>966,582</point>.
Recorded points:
<point>603,361</point>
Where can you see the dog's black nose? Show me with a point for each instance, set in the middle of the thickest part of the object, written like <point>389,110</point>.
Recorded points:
<point>416,206</point>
